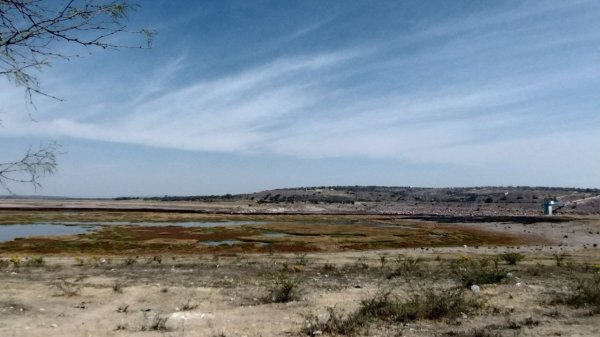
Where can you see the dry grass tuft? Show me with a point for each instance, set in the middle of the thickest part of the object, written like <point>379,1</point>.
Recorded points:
<point>67,288</point>
<point>585,292</point>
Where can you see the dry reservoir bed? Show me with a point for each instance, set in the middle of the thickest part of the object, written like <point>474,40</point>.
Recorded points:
<point>301,276</point>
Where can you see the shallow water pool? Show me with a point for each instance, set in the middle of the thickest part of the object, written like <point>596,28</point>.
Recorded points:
<point>11,232</point>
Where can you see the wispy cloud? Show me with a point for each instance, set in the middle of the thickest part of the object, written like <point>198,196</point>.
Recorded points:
<point>471,90</point>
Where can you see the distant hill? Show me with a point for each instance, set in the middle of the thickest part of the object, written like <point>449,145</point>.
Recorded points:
<point>415,200</point>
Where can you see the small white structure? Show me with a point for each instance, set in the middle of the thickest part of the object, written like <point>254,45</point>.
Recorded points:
<point>548,206</point>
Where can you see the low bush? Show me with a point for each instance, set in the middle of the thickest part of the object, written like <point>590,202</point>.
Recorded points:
<point>117,287</point>
<point>585,292</point>
<point>512,258</point>
<point>15,260</point>
<point>120,326</point>
<point>155,258</point>
<point>124,308</point>
<point>437,304</point>
<point>282,288</point>
<point>536,270</point>
<point>359,265</point>
<point>157,323</point>
<point>559,258</point>
<point>336,324</point>
<point>477,332</point>
<point>129,261</point>
<point>477,272</point>
<point>302,259</point>
<point>382,261</point>
<point>188,305</point>
<point>407,267</point>
<point>67,288</point>
<point>95,261</point>
<point>428,303</point>
<point>35,261</point>
<point>329,267</point>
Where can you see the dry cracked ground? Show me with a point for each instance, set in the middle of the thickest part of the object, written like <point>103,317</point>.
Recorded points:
<point>546,289</point>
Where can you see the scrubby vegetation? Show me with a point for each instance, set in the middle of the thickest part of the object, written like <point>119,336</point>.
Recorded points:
<point>479,271</point>
<point>512,258</point>
<point>67,288</point>
<point>157,322</point>
<point>585,292</point>
<point>282,287</point>
<point>427,303</point>
<point>486,291</point>
<point>406,267</point>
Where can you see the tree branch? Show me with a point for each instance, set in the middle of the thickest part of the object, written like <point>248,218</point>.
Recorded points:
<point>29,30</point>
<point>35,164</point>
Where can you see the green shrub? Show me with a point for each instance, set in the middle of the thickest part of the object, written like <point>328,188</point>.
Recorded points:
<point>585,292</point>
<point>536,270</point>
<point>427,303</point>
<point>336,324</point>
<point>282,288</point>
<point>512,258</point>
<point>36,261</point>
<point>437,304</point>
<point>15,260</point>
<point>558,258</point>
<point>407,267</point>
<point>95,261</point>
<point>483,271</point>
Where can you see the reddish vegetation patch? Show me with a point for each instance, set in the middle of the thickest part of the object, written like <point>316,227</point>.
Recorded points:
<point>477,236</point>
<point>144,233</point>
<point>304,234</point>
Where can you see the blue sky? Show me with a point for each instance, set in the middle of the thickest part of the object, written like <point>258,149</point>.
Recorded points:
<point>240,96</point>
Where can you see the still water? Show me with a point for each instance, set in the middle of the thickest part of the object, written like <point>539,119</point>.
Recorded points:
<point>11,232</point>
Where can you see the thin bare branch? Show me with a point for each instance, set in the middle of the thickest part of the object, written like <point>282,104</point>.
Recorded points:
<point>35,164</point>
<point>31,29</point>
<point>31,34</point>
